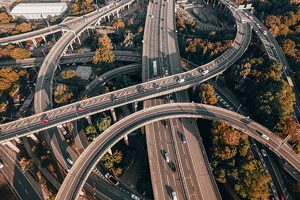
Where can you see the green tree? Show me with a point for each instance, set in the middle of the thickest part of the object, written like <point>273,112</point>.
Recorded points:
<point>104,123</point>
<point>90,130</point>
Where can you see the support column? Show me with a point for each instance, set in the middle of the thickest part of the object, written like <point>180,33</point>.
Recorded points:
<point>135,106</point>
<point>88,118</point>
<point>12,146</point>
<point>78,40</point>
<point>118,16</point>
<point>18,140</point>
<point>71,46</point>
<point>126,140</point>
<point>44,38</point>
<point>113,114</point>
<point>109,151</point>
<point>34,42</point>
<point>32,136</point>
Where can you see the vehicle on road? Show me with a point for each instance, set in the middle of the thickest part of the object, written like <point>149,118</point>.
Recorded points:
<point>135,197</point>
<point>44,119</point>
<point>79,108</point>
<point>265,137</point>
<point>70,161</point>
<point>112,179</point>
<point>166,72</point>
<point>167,157</point>
<point>182,137</point>
<point>140,88</point>
<point>156,86</point>
<point>265,33</point>
<point>204,72</point>
<point>113,98</point>
<point>154,68</point>
<point>180,80</point>
<point>263,152</point>
<point>174,195</point>
<point>1,164</point>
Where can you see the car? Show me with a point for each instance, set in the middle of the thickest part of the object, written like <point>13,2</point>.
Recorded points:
<point>1,164</point>
<point>70,161</point>
<point>112,179</point>
<point>151,16</point>
<point>174,195</point>
<point>265,32</point>
<point>162,19</point>
<point>180,80</point>
<point>79,108</point>
<point>133,196</point>
<point>44,119</point>
<point>140,88</point>
<point>204,72</point>
<point>166,72</point>
<point>251,17</point>
<point>263,152</point>
<point>182,137</point>
<point>156,86</point>
<point>167,157</point>
<point>113,97</point>
<point>265,137</point>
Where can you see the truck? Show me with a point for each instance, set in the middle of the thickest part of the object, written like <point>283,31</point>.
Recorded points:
<point>154,68</point>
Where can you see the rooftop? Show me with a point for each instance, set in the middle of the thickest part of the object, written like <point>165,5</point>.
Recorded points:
<point>32,8</point>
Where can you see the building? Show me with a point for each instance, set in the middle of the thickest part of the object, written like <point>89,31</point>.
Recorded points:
<point>84,72</point>
<point>38,10</point>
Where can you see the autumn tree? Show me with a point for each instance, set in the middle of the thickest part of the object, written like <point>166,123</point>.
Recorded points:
<point>289,126</point>
<point>130,22</point>
<point>8,76</point>
<point>68,74</point>
<point>207,94</point>
<point>62,94</point>
<point>24,27</point>
<point>19,53</point>
<point>289,47</point>
<point>118,24</point>
<point>104,53</point>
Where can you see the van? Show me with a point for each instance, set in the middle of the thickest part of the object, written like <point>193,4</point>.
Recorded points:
<point>265,137</point>
<point>70,161</point>
<point>204,72</point>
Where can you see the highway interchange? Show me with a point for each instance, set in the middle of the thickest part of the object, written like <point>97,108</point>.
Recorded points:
<point>154,88</point>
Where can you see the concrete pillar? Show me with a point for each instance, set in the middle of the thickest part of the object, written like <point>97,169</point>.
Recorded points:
<point>135,106</point>
<point>12,146</point>
<point>126,140</point>
<point>32,136</point>
<point>34,42</point>
<point>109,151</point>
<point>113,114</point>
<point>118,14</point>
<point>88,32</point>
<point>78,40</point>
<point>88,118</point>
<point>44,38</point>
<point>71,46</point>
<point>18,140</point>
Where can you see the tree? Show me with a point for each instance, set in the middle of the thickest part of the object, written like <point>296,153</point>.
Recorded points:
<point>110,160</point>
<point>207,94</point>
<point>130,21</point>
<point>118,24</point>
<point>62,94</point>
<point>19,53</point>
<point>8,76</point>
<point>75,8</point>
<point>117,171</point>
<point>104,53</point>
<point>24,27</point>
<point>90,130</point>
<point>104,123</point>
<point>68,74</point>
<point>289,47</point>
<point>289,126</point>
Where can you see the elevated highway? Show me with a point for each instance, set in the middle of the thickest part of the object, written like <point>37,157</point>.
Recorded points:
<point>91,156</point>
<point>128,56</point>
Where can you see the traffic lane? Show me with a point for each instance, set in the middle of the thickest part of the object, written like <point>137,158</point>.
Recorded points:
<point>17,178</point>
<point>106,140</point>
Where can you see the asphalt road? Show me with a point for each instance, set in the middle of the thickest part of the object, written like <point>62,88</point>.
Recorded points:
<point>91,156</point>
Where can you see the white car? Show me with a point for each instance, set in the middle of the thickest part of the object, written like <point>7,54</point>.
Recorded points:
<point>70,161</point>
<point>180,80</point>
<point>167,157</point>
<point>135,197</point>
<point>1,164</point>
<point>265,137</point>
<point>265,33</point>
<point>263,152</point>
<point>174,195</point>
<point>204,72</point>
